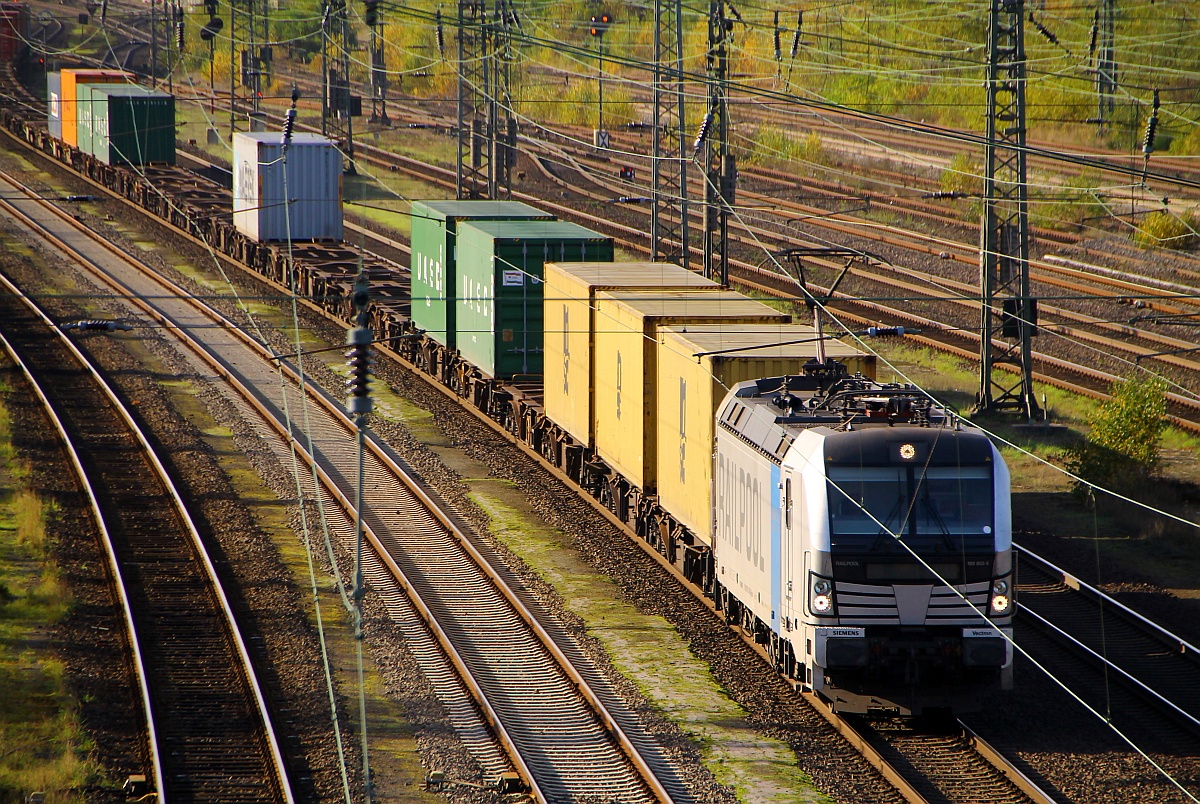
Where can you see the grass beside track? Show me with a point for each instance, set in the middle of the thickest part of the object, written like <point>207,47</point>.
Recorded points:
<point>42,745</point>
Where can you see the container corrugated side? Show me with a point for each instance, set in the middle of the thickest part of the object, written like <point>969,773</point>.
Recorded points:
<point>434,232</point>
<point>692,385</point>
<point>54,104</point>
<point>569,304</point>
<point>132,125</point>
<point>311,176</point>
<point>499,300</point>
<point>70,79</point>
<point>12,40</point>
<point>626,340</point>
<point>84,124</point>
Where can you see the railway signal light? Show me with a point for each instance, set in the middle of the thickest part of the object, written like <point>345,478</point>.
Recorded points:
<point>209,31</point>
<point>371,17</point>
<point>600,23</point>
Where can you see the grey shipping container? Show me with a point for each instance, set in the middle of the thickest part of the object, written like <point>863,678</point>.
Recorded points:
<point>434,279</point>
<point>299,196</point>
<point>131,125</point>
<point>54,104</point>
<point>500,281</point>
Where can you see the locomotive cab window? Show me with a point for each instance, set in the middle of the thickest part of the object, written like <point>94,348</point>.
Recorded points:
<point>935,510</point>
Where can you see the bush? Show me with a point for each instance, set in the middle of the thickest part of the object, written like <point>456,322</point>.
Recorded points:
<point>962,176</point>
<point>1122,447</point>
<point>1167,230</point>
<point>774,145</point>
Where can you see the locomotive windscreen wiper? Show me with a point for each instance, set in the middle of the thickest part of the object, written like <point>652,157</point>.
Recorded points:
<point>931,508</point>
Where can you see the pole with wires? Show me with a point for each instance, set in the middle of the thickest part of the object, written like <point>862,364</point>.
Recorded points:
<point>359,405</point>
<point>1009,313</point>
<point>668,168</point>
<point>712,143</point>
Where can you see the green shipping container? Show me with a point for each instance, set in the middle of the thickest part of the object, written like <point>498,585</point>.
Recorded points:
<point>434,226</point>
<point>130,125</point>
<point>500,281</point>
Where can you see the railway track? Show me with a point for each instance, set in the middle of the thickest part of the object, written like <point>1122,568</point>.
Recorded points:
<point>1006,775</point>
<point>1156,673</point>
<point>209,733</point>
<point>952,336</point>
<point>551,714</point>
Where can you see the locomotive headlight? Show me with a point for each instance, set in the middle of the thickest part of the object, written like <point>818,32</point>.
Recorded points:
<point>821,601</point>
<point>1001,601</point>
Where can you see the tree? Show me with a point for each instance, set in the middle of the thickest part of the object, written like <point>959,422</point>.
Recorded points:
<point>1122,446</point>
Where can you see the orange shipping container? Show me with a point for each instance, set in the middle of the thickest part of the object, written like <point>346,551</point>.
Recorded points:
<point>70,106</point>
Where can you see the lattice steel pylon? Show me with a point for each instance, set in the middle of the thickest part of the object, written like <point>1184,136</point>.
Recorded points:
<point>1009,315</point>
<point>249,55</point>
<point>668,167</point>
<point>486,127</point>
<point>1106,61</point>
<point>379,76</point>
<point>337,101</point>
<point>720,169</point>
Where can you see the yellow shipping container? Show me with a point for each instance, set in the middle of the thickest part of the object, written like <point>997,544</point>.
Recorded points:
<point>626,340</point>
<point>692,383</point>
<point>569,305</point>
<point>69,87</point>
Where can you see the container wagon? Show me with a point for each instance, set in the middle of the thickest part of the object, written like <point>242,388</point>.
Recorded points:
<point>298,197</point>
<point>434,238</point>
<point>499,300</point>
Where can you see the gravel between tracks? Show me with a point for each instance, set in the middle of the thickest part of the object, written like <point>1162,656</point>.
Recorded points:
<point>1066,748</point>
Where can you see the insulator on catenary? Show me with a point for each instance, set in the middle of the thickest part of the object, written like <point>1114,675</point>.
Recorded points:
<point>179,35</point>
<point>778,50</point>
<point>702,134</point>
<point>1044,31</point>
<point>441,34</point>
<point>796,38</point>
<point>887,332</point>
<point>289,124</point>
<point>1156,100</point>
<point>97,325</point>
<point>1095,33</point>
<point>737,15</point>
<point>358,359</point>
<point>1148,139</point>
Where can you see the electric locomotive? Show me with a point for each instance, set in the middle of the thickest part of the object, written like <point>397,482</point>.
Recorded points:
<point>864,534</point>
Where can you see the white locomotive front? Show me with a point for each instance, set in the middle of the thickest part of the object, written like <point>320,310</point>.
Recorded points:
<point>864,535</point>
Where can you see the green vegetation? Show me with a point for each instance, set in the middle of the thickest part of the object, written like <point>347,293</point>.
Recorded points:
<point>42,745</point>
<point>1122,447</point>
<point>773,145</point>
<point>1068,206</point>
<point>1167,230</point>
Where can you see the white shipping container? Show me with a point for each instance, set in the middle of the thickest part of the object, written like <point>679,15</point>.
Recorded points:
<point>274,198</point>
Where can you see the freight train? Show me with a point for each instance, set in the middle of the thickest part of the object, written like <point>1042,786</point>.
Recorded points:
<point>857,530</point>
